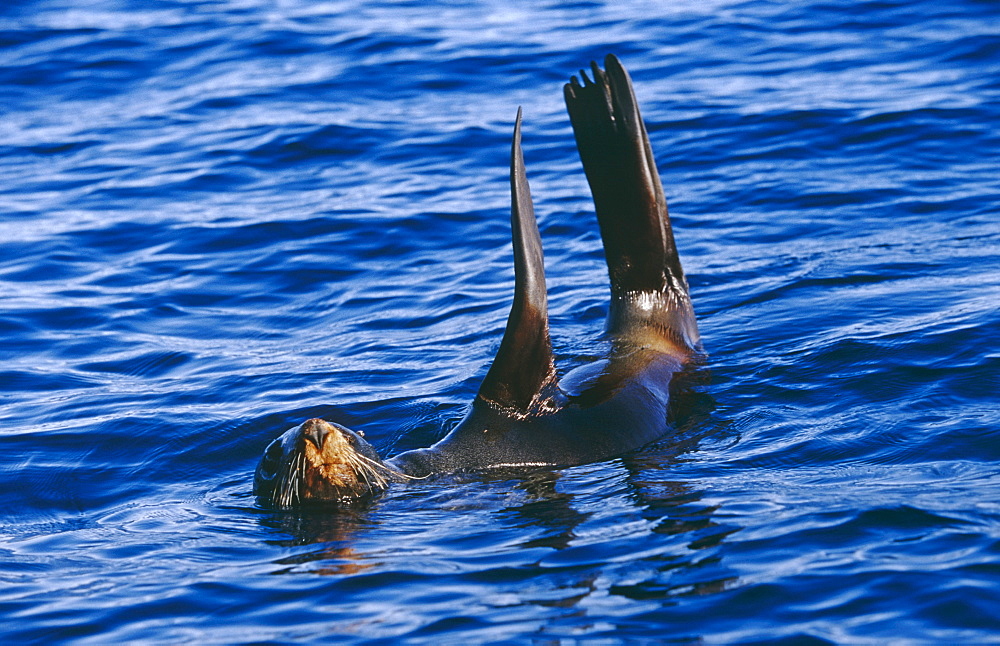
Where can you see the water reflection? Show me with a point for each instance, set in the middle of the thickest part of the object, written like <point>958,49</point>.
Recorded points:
<point>333,530</point>
<point>677,514</point>
<point>546,508</point>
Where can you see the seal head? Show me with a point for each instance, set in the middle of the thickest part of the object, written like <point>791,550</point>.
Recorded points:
<point>319,463</point>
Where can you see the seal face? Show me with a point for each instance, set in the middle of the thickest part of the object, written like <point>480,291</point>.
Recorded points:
<point>524,414</point>
<point>319,462</point>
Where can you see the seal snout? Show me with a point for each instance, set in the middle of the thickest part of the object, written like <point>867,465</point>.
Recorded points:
<point>316,430</point>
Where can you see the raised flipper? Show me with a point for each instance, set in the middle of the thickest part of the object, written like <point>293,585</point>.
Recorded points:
<point>523,372</point>
<point>648,289</point>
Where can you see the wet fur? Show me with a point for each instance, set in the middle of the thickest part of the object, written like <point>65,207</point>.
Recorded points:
<point>295,472</point>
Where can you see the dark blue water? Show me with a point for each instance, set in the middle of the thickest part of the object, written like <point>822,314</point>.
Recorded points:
<point>219,218</point>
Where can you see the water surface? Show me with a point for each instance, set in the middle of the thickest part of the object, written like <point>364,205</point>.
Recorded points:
<point>220,218</point>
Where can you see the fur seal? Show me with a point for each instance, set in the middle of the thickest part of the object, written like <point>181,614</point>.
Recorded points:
<point>523,414</point>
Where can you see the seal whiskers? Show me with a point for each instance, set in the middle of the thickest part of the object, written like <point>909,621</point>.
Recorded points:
<point>396,473</point>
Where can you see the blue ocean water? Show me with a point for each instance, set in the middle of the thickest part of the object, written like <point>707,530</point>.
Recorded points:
<point>220,218</point>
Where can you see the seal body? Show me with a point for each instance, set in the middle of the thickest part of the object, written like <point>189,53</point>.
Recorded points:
<point>524,414</point>
<point>599,411</point>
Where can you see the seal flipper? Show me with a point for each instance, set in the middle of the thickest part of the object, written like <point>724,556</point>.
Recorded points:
<point>524,370</point>
<point>648,289</point>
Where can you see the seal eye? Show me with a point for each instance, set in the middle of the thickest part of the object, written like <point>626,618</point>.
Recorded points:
<point>271,457</point>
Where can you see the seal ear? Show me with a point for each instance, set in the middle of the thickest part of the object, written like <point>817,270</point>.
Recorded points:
<point>648,288</point>
<point>524,367</point>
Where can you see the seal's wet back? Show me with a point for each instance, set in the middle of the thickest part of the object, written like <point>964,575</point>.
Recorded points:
<point>523,414</point>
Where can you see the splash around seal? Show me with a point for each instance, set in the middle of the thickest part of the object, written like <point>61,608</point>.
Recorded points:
<point>524,414</point>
